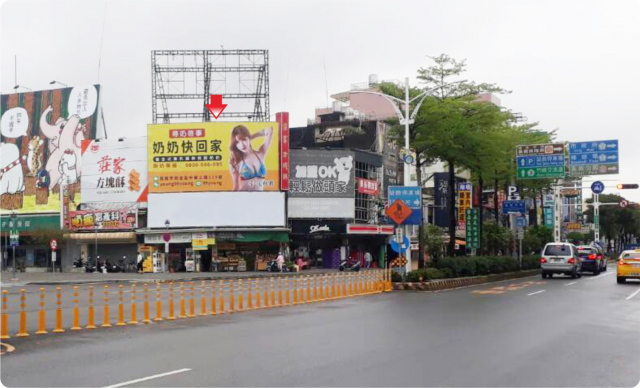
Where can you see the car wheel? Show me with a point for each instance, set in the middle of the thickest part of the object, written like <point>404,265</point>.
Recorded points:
<point>621,280</point>
<point>544,275</point>
<point>574,274</point>
<point>550,275</point>
<point>604,267</point>
<point>596,272</point>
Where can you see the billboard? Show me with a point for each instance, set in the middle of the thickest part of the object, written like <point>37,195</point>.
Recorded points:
<point>222,156</point>
<point>114,170</point>
<point>121,219</point>
<point>322,174</point>
<point>42,134</point>
<point>321,207</point>
<point>184,210</point>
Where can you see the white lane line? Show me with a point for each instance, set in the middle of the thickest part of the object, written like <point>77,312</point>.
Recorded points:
<point>149,378</point>
<point>568,284</point>
<point>537,292</point>
<point>632,295</point>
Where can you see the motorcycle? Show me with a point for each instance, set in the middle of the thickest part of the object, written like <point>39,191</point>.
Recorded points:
<point>111,268</point>
<point>347,266</point>
<point>78,263</point>
<point>273,267</point>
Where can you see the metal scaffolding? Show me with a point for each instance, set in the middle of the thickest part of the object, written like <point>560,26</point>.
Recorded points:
<point>183,80</point>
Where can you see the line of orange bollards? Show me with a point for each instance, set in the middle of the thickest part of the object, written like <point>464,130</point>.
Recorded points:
<point>258,293</point>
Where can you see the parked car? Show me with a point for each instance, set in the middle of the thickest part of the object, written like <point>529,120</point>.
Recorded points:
<point>590,259</point>
<point>560,258</point>
<point>628,266</point>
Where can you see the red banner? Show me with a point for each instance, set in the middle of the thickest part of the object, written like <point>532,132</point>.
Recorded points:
<point>367,186</point>
<point>283,121</point>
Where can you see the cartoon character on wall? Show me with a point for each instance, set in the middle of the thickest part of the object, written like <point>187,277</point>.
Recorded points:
<point>65,139</point>
<point>11,175</point>
<point>34,164</point>
<point>343,167</point>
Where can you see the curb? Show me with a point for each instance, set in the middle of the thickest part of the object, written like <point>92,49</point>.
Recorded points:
<point>445,284</point>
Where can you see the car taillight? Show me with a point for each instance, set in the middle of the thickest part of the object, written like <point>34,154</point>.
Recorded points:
<point>600,257</point>
<point>621,262</point>
<point>592,256</point>
<point>571,261</point>
<point>543,260</point>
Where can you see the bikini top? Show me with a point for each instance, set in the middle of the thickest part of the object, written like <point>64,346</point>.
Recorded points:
<point>247,172</point>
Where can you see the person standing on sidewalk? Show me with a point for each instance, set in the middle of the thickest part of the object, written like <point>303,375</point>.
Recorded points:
<point>367,259</point>
<point>139,263</point>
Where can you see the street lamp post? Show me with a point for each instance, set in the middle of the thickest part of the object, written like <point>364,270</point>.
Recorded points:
<point>167,223</point>
<point>407,119</point>
<point>13,224</point>
<point>56,82</point>
<point>20,86</point>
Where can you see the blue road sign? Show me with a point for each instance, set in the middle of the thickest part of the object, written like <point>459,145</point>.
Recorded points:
<point>597,187</point>
<point>514,207</point>
<point>594,157</point>
<point>405,244</point>
<point>521,222</point>
<point>411,196</point>
<point>540,161</point>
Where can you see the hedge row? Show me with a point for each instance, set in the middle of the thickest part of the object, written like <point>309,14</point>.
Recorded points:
<point>464,266</point>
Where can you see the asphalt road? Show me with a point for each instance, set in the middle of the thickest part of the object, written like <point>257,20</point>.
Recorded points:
<point>528,332</point>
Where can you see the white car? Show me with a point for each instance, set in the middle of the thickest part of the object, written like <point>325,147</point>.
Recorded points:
<point>560,258</point>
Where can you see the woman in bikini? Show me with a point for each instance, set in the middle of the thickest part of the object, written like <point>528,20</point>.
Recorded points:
<point>248,169</point>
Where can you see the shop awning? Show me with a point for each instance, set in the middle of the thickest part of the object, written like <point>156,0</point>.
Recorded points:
<point>29,223</point>
<point>120,236</point>
<point>282,237</point>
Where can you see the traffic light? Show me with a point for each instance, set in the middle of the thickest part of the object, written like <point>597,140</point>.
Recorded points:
<point>624,186</point>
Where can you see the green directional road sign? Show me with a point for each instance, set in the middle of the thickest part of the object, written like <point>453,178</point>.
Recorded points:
<point>473,228</point>
<point>540,161</point>
<point>540,172</point>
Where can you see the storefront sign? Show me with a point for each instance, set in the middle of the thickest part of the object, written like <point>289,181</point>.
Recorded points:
<point>369,229</point>
<point>322,174</point>
<point>122,219</point>
<point>321,207</point>
<point>464,201</point>
<point>321,227</point>
<point>442,199</point>
<point>367,186</point>
<point>114,170</point>
<point>175,238</point>
<point>283,121</point>
<point>30,222</point>
<point>222,156</point>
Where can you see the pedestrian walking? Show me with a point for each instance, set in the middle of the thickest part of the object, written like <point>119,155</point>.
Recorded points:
<point>367,259</point>
<point>139,261</point>
<point>280,261</point>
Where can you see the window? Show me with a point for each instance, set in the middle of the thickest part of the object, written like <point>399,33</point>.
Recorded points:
<point>557,250</point>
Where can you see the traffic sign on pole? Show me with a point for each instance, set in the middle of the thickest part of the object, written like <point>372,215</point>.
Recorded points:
<point>53,244</point>
<point>398,211</point>
<point>593,158</point>
<point>597,187</point>
<point>623,203</point>
<point>540,161</point>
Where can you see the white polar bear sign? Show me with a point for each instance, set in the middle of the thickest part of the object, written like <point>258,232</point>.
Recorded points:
<point>321,173</point>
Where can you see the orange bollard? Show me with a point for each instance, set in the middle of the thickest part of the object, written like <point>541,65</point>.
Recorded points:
<point>58,328</point>
<point>240,295</point>
<point>389,286</point>
<point>232,297</point>
<point>22,332</point>
<point>158,304</point>
<point>287,296</point>
<point>321,291</point>
<point>280,291</point>
<point>90,317</point>
<point>308,282</point>
<point>145,294</point>
<point>273,293</point>
<point>338,286</point>
<point>294,286</point>
<point>326,281</point>
<point>134,318</point>
<point>214,310</point>
<point>76,310</point>
<point>41,315</point>
<point>5,315</point>
<point>106,308</point>
<point>315,288</point>
<point>221,292</point>
<point>334,280</point>
<point>171,317</point>
<point>350,280</point>
<point>182,314</point>
<point>120,306</point>
<point>249,295</point>
<point>203,299</point>
<point>300,281</point>
<point>257,282</point>
<point>192,301</point>
<point>266,292</point>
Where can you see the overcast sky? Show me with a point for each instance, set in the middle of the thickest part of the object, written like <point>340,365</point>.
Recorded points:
<point>572,65</point>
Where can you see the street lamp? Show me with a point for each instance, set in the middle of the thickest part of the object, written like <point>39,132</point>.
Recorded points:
<point>20,86</point>
<point>13,224</point>
<point>407,119</point>
<point>165,265</point>
<point>56,82</point>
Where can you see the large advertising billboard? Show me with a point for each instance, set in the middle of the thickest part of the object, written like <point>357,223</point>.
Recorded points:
<point>42,134</point>
<point>114,170</point>
<point>222,156</point>
<point>120,219</point>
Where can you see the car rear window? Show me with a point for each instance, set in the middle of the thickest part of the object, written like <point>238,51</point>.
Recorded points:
<point>557,250</point>
<point>631,255</point>
<point>586,251</point>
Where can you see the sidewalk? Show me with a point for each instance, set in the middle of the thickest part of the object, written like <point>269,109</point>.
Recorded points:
<point>33,278</point>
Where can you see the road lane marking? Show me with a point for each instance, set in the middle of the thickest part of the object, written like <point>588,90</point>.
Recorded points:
<point>148,378</point>
<point>8,347</point>
<point>537,292</point>
<point>568,284</point>
<point>632,295</point>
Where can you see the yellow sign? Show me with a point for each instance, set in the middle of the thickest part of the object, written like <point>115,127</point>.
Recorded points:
<point>202,244</point>
<point>214,157</point>
<point>464,202</point>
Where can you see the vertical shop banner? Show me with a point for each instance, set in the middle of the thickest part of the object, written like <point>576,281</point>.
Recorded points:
<point>40,143</point>
<point>464,202</point>
<point>283,121</point>
<point>120,219</point>
<point>368,186</point>
<point>204,157</point>
<point>441,198</point>
<point>114,170</point>
<point>549,217</point>
<point>410,195</point>
<point>472,219</point>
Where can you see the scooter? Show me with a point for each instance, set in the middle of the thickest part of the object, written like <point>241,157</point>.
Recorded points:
<point>273,267</point>
<point>78,263</point>
<point>113,267</point>
<point>346,266</point>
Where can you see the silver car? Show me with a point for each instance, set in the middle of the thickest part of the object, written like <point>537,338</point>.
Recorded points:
<point>560,258</point>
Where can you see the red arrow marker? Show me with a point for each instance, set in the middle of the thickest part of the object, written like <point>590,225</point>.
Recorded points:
<point>216,106</point>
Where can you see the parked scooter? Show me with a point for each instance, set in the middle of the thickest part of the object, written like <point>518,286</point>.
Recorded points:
<point>111,268</point>
<point>347,266</point>
<point>78,263</point>
<point>273,267</point>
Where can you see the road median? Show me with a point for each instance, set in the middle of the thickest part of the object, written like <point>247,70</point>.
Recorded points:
<point>446,284</point>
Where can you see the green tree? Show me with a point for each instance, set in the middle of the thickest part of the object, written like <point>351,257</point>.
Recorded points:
<point>434,242</point>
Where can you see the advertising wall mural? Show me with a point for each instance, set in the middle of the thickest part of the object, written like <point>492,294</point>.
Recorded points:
<point>42,134</point>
